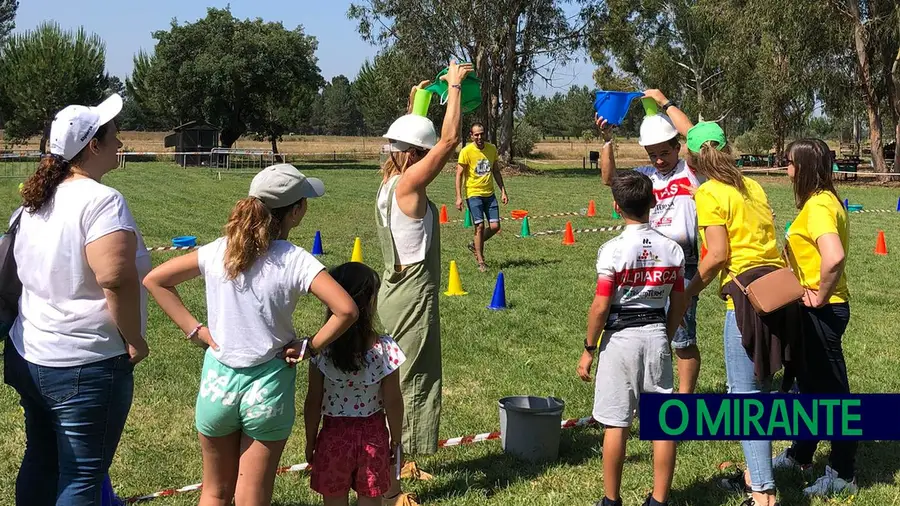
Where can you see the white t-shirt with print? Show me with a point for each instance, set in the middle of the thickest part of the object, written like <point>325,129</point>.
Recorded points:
<point>64,320</point>
<point>358,393</point>
<point>675,213</point>
<point>250,317</point>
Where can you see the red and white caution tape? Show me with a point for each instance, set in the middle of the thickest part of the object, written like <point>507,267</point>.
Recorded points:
<point>554,215</point>
<point>298,468</point>
<point>615,228</point>
<point>173,248</point>
<point>873,211</point>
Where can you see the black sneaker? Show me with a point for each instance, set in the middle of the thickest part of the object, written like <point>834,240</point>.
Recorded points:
<point>734,483</point>
<point>609,502</point>
<point>750,502</point>
<point>653,502</point>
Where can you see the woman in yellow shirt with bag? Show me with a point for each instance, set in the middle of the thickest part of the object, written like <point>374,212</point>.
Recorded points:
<point>819,240</point>
<point>738,230</point>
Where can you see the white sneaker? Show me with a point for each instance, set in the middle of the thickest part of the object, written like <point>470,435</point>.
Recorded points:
<point>830,484</point>
<point>785,461</point>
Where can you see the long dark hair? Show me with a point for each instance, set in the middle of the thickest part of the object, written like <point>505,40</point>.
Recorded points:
<point>348,352</point>
<point>40,187</point>
<point>250,230</point>
<point>813,165</point>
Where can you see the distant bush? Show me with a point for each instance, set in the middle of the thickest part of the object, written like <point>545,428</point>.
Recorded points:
<point>525,136</point>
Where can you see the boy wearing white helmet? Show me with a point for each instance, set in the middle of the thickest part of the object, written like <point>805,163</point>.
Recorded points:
<point>674,215</point>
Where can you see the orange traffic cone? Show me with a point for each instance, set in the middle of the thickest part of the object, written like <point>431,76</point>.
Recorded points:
<point>592,210</point>
<point>881,245</point>
<point>702,251</point>
<point>569,237</point>
<point>444,218</point>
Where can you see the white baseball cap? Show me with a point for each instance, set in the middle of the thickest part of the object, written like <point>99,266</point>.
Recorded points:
<point>282,185</point>
<point>75,126</point>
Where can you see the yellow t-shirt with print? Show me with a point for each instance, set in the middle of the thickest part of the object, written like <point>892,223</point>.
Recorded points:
<point>822,214</point>
<point>478,164</point>
<point>748,222</point>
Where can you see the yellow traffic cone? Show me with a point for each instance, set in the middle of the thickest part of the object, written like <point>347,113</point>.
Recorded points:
<point>357,251</point>
<point>454,282</point>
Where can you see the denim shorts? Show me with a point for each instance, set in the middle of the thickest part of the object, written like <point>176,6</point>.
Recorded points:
<point>480,207</point>
<point>686,335</point>
<point>258,400</point>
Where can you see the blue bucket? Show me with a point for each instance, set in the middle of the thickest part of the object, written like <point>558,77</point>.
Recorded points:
<point>614,105</point>
<point>185,240</point>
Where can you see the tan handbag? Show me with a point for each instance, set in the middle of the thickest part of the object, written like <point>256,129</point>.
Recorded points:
<point>773,291</point>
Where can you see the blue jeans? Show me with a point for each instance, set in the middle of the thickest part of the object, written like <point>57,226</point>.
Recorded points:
<point>74,418</point>
<point>742,380</point>
<point>479,207</point>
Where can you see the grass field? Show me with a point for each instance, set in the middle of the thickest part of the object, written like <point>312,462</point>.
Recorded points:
<point>530,349</point>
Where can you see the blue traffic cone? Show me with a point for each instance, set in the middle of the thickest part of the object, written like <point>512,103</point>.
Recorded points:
<point>498,301</point>
<point>898,205</point>
<point>317,245</point>
<point>846,203</point>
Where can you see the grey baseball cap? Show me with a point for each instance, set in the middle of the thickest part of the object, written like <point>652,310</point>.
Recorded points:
<point>282,185</point>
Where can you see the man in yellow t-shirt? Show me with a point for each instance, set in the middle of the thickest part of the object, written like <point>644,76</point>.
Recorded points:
<point>476,170</point>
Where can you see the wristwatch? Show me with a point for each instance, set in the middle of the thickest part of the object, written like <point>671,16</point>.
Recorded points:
<point>669,104</point>
<point>589,348</point>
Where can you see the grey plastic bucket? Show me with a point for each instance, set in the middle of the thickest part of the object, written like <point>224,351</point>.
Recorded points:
<point>530,426</point>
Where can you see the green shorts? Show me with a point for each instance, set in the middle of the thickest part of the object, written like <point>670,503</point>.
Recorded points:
<point>258,400</point>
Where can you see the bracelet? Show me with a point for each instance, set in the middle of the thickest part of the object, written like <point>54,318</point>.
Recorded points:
<point>589,348</point>
<point>194,332</point>
<point>457,86</point>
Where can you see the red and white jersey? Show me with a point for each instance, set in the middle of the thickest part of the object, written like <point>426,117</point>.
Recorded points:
<point>675,213</point>
<point>638,269</point>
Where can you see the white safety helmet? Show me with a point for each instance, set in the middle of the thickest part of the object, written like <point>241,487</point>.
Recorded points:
<point>657,129</point>
<point>411,131</point>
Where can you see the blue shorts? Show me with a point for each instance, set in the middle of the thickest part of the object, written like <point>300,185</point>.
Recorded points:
<point>686,335</point>
<point>479,207</point>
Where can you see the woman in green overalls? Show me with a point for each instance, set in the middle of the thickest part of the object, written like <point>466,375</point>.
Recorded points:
<point>409,231</point>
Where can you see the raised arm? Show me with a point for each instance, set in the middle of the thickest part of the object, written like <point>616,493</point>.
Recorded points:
<point>607,156</point>
<point>678,117</point>
<point>417,177</point>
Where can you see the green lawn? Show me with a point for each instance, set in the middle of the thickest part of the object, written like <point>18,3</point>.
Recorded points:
<point>530,349</point>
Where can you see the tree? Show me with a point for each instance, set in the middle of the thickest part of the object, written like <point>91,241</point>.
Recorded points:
<point>510,42</point>
<point>44,70</point>
<point>381,89</point>
<point>339,113</point>
<point>7,17</point>
<point>237,75</point>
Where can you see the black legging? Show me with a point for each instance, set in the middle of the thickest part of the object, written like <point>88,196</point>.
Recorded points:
<point>825,372</point>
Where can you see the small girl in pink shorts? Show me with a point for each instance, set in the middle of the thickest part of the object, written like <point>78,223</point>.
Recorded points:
<point>354,383</point>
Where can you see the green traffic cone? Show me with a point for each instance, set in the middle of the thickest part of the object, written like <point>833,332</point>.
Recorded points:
<point>787,228</point>
<point>615,215</point>
<point>467,223</point>
<point>526,229</point>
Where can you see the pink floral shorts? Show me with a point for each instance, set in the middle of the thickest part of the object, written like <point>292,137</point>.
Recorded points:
<point>352,452</point>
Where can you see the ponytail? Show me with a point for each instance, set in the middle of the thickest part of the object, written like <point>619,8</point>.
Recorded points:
<point>250,231</point>
<point>718,164</point>
<point>40,187</point>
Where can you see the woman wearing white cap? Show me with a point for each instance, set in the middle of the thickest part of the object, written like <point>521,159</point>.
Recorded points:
<point>410,243</point>
<point>82,312</point>
<point>254,277</point>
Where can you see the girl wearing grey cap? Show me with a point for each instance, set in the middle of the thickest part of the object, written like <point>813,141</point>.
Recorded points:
<point>254,277</point>
<point>410,243</point>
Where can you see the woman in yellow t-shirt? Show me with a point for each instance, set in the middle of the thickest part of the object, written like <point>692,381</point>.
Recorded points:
<point>819,240</point>
<point>738,230</point>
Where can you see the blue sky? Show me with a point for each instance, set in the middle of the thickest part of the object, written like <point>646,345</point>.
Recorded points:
<point>127,30</point>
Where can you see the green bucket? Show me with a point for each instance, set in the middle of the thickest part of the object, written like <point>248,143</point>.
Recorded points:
<point>470,97</point>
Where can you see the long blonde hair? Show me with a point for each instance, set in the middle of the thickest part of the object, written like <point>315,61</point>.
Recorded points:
<point>718,164</point>
<point>250,230</point>
<point>395,164</point>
